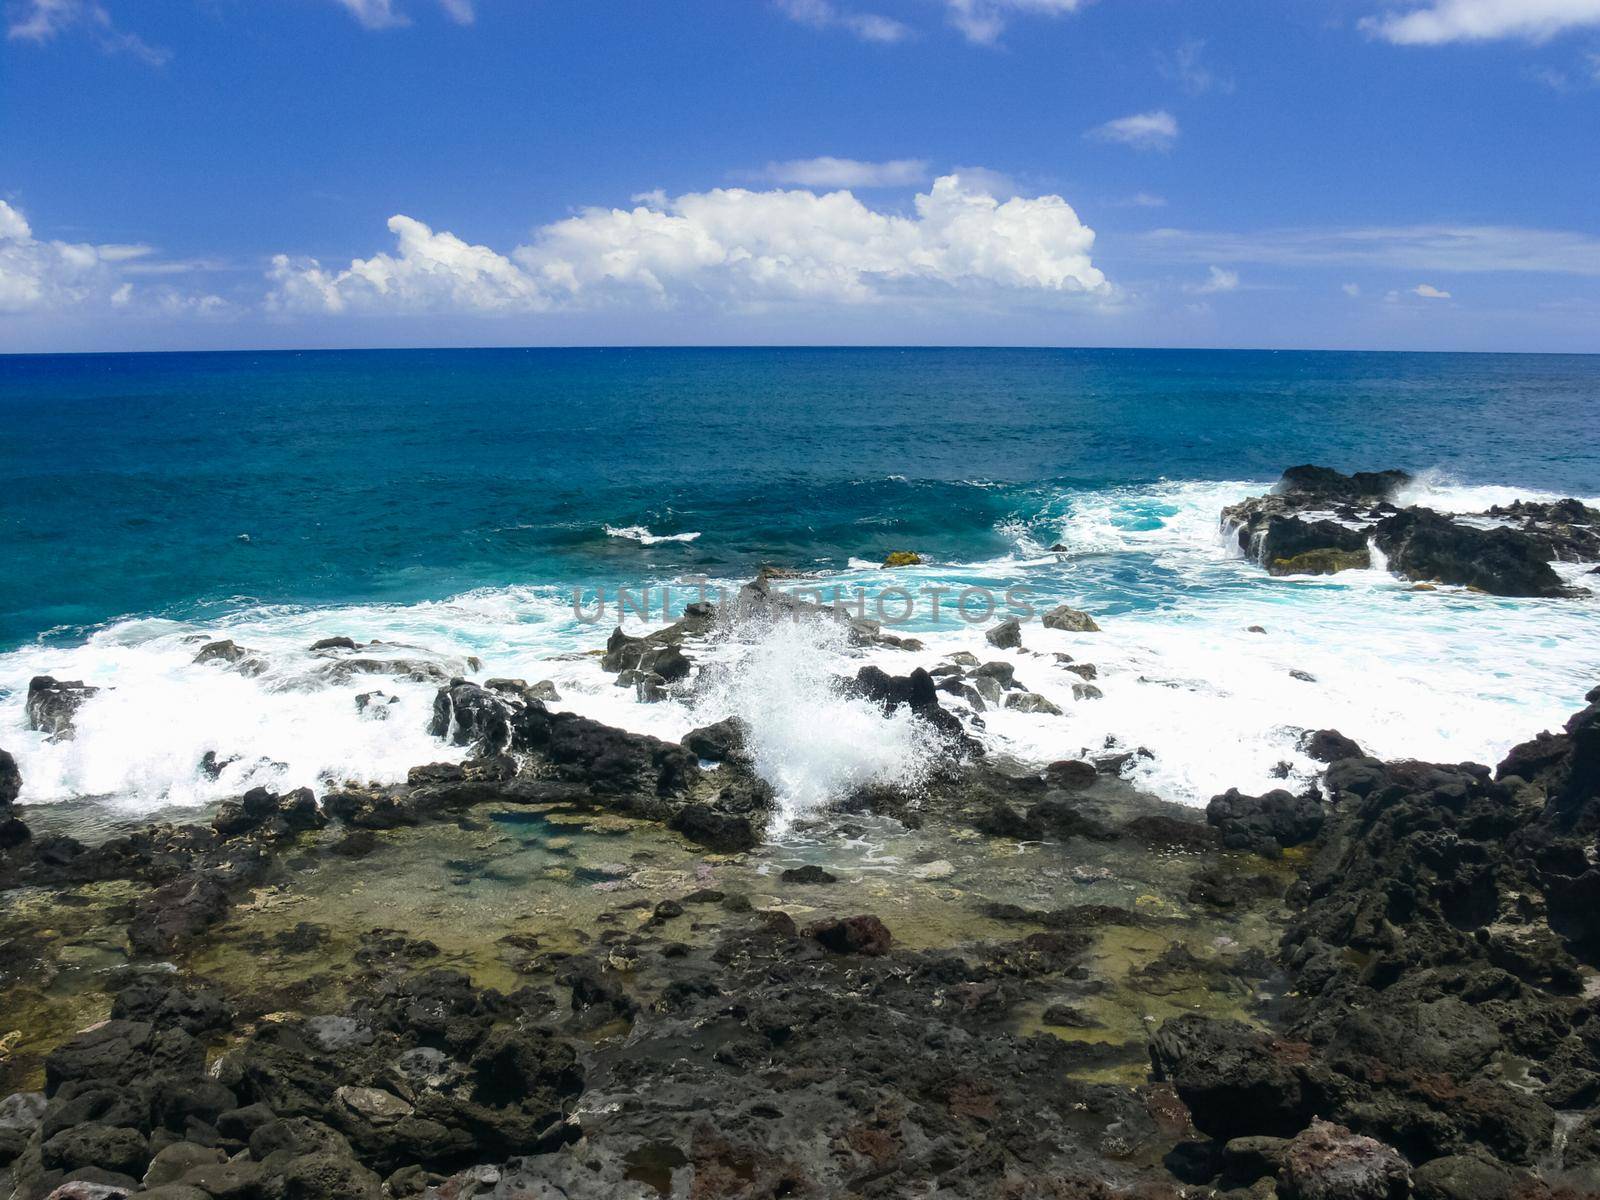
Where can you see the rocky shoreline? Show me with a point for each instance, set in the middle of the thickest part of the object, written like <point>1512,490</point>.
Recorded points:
<point>575,964</point>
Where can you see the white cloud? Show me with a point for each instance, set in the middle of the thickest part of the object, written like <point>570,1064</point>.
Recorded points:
<point>48,276</point>
<point>1484,20</point>
<point>727,247</point>
<point>983,21</point>
<point>1156,130</point>
<point>824,14</point>
<point>44,20</point>
<point>1217,280</point>
<point>1428,292</point>
<point>382,14</point>
<point>1351,289</point>
<point>1146,200</point>
<point>1186,66</point>
<point>1466,248</point>
<point>848,172</point>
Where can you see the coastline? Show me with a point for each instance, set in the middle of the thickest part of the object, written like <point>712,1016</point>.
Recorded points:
<point>628,966</point>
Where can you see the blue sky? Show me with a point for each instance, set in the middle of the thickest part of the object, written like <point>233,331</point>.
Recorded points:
<point>1413,174</point>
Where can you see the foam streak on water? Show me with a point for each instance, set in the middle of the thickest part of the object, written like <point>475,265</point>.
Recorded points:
<point>1445,675</point>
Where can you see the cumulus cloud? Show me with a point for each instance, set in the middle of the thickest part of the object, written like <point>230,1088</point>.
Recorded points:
<point>1428,292</point>
<point>43,21</point>
<point>49,276</point>
<point>1484,20</point>
<point>1156,130</point>
<point>983,21</point>
<point>824,14</point>
<point>382,14</point>
<point>848,172</point>
<point>729,247</point>
<point>1218,279</point>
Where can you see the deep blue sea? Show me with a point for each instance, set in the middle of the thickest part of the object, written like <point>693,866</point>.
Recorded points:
<point>446,500</point>
<point>182,483</point>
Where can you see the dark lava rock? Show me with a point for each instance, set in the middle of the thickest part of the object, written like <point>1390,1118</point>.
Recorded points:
<point>864,935</point>
<point>1005,636</point>
<point>723,832</point>
<point>246,662</point>
<point>1329,746</point>
<point>335,643</point>
<point>10,782</point>
<point>1264,824</point>
<point>1425,545</point>
<point>52,704</point>
<point>1070,619</point>
<point>1464,1177</point>
<point>113,1148</point>
<point>468,715</point>
<point>722,741</point>
<point>1324,483</point>
<point>810,873</point>
<point>918,693</point>
<point>1236,1080</point>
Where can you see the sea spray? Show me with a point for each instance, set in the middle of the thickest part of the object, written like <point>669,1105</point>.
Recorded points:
<point>808,739</point>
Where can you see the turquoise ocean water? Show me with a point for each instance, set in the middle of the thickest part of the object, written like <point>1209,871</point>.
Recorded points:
<point>451,499</point>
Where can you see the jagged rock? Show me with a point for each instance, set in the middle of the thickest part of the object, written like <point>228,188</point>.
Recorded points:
<point>1236,1080</point>
<point>1005,636</point>
<point>1464,1177</point>
<point>246,662</point>
<point>52,705</point>
<point>1329,746</point>
<point>1426,545</point>
<point>465,714</point>
<point>721,741</point>
<point>1070,619</point>
<point>1086,691</point>
<point>1264,824</point>
<point>1328,1162</point>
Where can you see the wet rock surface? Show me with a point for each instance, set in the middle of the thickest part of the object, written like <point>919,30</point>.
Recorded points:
<point>1317,521</point>
<point>574,964</point>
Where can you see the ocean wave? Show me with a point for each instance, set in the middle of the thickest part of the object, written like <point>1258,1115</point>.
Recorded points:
<point>642,535</point>
<point>1445,675</point>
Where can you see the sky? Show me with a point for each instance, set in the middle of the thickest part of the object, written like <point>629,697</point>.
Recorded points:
<point>1341,174</point>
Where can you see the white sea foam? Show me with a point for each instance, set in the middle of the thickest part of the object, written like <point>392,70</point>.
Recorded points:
<point>1445,675</point>
<point>642,535</point>
<point>810,742</point>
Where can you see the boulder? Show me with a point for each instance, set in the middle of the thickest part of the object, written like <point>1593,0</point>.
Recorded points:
<point>1265,824</point>
<point>721,741</point>
<point>1005,636</point>
<point>1329,746</point>
<point>1070,619</point>
<point>1464,1177</point>
<point>1326,484</point>
<point>1236,1080</point>
<point>902,558</point>
<point>1070,774</point>
<point>810,873</point>
<point>1329,1162</point>
<point>233,655</point>
<point>52,705</point>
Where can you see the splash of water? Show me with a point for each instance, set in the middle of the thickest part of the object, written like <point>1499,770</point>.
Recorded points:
<point>811,742</point>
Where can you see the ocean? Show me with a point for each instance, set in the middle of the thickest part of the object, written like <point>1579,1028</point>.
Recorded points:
<point>450,502</point>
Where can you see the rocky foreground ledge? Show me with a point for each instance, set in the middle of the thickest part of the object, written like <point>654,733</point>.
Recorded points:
<point>1317,521</point>
<point>1387,992</point>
